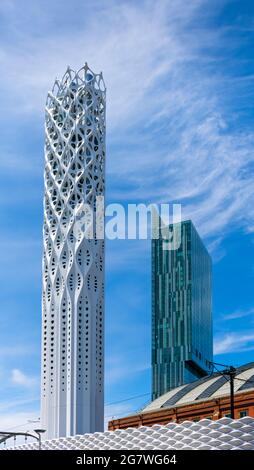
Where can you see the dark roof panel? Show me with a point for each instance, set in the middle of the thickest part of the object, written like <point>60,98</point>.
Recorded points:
<point>248,384</point>
<point>180,394</point>
<point>212,388</point>
<point>171,398</point>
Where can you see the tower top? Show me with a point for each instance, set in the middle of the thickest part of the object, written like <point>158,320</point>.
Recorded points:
<point>81,77</point>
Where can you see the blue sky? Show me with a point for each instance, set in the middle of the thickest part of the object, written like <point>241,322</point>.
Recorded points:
<point>180,118</point>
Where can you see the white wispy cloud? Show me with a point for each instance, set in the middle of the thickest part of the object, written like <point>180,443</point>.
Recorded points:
<point>234,342</point>
<point>238,314</point>
<point>169,133</point>
<point>131,71</point>
<point>20,378</point>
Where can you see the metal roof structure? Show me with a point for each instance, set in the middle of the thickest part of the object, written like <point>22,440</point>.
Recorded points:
<point>211,386</point>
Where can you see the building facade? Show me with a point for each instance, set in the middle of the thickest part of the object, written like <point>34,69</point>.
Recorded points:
<point>72,387</point>
<point>181,311</point>
<point>206,398</point>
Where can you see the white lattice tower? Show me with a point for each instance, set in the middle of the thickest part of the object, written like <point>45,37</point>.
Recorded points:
<point>72,399</point>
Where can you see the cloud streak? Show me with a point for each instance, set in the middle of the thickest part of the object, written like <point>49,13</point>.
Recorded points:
<point>238,314</point>
<point>171,135</point>
<point>19,378</point>
<point>234,342</point>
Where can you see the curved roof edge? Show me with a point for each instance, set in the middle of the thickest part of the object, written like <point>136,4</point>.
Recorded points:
<point>210,386</point>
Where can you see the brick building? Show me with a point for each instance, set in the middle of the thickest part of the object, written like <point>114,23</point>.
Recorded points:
<point>207,398</point>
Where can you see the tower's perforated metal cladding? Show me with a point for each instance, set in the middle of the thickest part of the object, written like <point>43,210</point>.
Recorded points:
<point>72,400</point>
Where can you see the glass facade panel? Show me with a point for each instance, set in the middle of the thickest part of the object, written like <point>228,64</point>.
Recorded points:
<point>181,311</point>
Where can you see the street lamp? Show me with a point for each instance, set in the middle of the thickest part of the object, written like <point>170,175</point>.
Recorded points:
<point>39,432</point>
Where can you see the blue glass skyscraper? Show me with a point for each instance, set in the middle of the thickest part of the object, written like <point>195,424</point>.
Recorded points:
<point>182,335</point>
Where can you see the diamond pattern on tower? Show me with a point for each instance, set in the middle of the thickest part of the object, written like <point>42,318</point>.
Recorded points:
<point>73,264</point>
